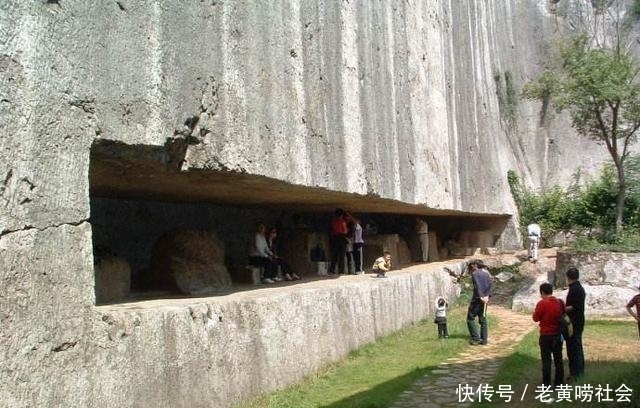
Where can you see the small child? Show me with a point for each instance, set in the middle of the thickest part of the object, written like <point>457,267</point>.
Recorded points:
<point>382,265</point>
<point>441,317</point>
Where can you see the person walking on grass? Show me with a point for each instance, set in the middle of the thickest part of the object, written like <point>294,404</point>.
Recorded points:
<point>575,310</point>
<point>482,292</point>
<point>635,301</point>
<point>547,313</point>
<point>441,317</point>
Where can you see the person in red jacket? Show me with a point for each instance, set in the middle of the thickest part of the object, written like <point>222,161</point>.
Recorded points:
<point>338,242</point>
<point>635,301</point>
<point>547,313</point>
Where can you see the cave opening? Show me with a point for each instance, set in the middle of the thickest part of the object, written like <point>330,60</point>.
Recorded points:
<point>160,232</point>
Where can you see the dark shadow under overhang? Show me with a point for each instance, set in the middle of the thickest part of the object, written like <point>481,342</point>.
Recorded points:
<point>146,172</point>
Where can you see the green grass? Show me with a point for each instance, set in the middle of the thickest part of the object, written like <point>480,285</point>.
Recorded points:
<point>523,367</point>
<point>374,375</point>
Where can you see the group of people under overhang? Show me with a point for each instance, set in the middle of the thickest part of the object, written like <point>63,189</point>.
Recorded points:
<point>346,242</point>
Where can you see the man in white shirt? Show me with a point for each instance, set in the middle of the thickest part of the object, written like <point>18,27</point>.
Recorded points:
<point>534,233</point>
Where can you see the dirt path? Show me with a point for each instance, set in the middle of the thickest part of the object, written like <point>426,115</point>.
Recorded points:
<point>476,365</point>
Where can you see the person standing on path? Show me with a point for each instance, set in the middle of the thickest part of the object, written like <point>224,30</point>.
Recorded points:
<point>422,228</point>
<point>575,310</point>
<point>635,301</point>
<point>547,312</point>
<point>534,232</point>
<point>482,292</point>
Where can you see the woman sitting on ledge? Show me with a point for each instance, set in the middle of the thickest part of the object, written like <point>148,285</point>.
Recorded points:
<point>260,255</point>
<point>277,261</point>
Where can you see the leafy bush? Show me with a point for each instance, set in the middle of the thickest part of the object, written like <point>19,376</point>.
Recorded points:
<point>627,241</point>
<point>551,208</point>
<point>587,211</point>
<point>513,268</point>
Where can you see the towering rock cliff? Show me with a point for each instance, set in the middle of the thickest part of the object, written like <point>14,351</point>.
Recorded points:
<point>410,101</point>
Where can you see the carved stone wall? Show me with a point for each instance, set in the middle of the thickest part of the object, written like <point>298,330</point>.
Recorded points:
<point>610,280</point>
<point>603,268</point>
<point>374,100</point>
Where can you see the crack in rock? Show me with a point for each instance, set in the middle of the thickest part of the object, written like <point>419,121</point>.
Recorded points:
<point>65,346</point>
<point>30,227</point>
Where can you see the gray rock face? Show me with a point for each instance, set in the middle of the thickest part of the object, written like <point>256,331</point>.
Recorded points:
<point>190,261</point>
<point>412,103</point>
<point>609,279</point>
<point>392,100</point>
<point>113,279</point>
<point>603,268</point>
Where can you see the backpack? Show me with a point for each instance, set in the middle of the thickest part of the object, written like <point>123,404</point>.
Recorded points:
<point>317,254</point>
<point>566,327</point>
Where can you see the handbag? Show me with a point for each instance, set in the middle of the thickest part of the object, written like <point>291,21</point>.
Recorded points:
<point>566,326</point>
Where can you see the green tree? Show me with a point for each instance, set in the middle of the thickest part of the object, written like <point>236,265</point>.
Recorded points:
<point>595,208</point>
<point>596,81</point>
<point>551,208</point>
<point>632,205</point>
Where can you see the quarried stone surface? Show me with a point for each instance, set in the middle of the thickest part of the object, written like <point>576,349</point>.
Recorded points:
<point>195,352</point>
<point>190,261</point>
<point>610,280</point>
<point>602,268</point>
<point>389,105</point>
<point>113,279</point>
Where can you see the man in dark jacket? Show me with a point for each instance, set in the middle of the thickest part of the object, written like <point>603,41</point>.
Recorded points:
<point>482,291</point>
<point>575,310</point>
